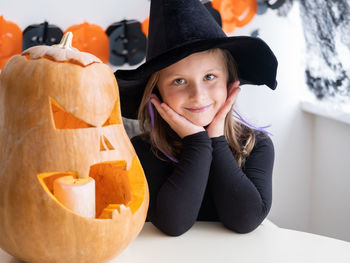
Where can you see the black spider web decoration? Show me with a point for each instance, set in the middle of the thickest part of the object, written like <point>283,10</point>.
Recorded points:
<point>326,27</point>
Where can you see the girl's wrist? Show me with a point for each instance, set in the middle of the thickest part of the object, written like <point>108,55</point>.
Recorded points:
<point>215,135</point>
<point>214,132</point>
<point>201,134</point>
<point>194,131</point>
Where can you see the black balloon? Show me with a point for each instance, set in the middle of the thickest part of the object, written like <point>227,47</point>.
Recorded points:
<point>275,4</point>
<point>41,34</point>
<point>127,43</point>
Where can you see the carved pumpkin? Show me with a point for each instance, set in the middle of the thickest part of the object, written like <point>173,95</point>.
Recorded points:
<point>91,38</point>
<point>60,115</point>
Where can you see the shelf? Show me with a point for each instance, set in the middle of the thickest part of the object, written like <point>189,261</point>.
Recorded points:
<point>329,110</point>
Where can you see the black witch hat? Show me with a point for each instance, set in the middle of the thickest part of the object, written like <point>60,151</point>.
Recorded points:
<point>178,28</point>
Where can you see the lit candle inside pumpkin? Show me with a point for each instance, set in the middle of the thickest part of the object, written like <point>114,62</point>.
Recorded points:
<point>77,194</point>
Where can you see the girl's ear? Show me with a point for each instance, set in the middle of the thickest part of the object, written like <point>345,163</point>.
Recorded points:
<point>156,91</point>
<point>232,85</point>
<point>229,85</point>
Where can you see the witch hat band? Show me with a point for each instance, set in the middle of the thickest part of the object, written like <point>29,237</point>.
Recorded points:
<point>179,28</point>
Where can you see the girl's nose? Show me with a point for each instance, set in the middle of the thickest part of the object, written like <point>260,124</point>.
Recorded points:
<point>196,91</point>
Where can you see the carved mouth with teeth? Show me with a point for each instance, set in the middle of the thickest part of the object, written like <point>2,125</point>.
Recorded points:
<point>117,189</point>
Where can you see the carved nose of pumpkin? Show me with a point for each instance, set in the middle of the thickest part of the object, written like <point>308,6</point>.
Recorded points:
<point>105,144</point>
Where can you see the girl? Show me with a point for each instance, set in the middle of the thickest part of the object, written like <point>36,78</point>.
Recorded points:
<point>200,163</point>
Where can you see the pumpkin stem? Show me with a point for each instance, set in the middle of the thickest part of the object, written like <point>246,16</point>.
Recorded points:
<point>66,42</point>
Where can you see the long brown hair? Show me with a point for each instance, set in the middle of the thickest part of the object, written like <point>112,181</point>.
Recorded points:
<point>240,137</point>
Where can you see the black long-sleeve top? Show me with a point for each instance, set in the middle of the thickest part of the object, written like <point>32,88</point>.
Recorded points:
<point>208,185</point>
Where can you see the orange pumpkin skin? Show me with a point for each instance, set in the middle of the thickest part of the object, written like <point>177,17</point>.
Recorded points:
<point>35,147</point>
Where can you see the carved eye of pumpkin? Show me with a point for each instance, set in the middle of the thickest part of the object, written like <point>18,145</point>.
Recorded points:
<point>65,120</point>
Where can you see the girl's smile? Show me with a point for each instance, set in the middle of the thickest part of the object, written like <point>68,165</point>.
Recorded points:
<point>199,108</point>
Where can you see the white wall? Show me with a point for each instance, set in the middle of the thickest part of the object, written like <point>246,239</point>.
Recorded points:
<point>65,13</point>
<point>312,170</point>
<point>330,190</point>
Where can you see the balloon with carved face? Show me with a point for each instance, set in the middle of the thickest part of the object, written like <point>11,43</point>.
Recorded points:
<point>127,42</point>
<point>59,116</point>
<point>235,13</point>
<point>91,38</point>
<point>10,40</point>
<point>41,34</point>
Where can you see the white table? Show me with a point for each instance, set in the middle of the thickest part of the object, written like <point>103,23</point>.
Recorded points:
<point>211,242</point>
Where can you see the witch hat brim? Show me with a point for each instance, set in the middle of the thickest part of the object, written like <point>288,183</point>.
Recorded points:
<point>195,31</point>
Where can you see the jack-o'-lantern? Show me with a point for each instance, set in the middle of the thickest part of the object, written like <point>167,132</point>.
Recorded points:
<point>59,116</point>
<point>91,38</point>
<point>10,40</point>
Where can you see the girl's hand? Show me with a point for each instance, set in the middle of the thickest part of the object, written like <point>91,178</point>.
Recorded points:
<point>216,127</point>
<point>179,124</point>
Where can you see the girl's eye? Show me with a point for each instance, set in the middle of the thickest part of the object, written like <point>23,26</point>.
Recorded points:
<point>179,81</point>
<point>209,77</point>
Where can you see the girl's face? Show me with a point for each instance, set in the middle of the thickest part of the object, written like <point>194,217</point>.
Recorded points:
<point>196,86</point>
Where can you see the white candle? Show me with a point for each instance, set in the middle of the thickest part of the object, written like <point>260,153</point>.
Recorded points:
<point>77,195</point>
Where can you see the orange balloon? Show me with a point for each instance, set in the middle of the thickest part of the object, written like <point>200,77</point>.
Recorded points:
<point>10,40</point>
<point>90,38</point>
<point>235,13</point>
<point>144,26</point>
